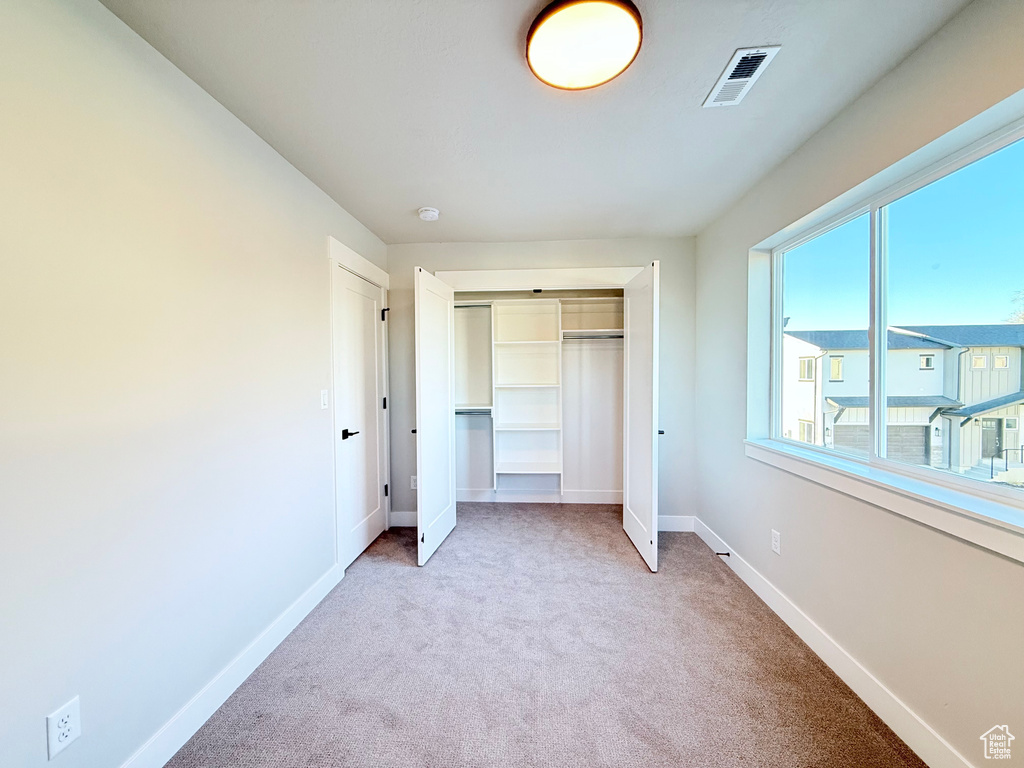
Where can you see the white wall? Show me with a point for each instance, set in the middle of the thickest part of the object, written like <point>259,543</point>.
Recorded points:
<point>165,468</point>
<point>677,340</point>
<point>936,620</point>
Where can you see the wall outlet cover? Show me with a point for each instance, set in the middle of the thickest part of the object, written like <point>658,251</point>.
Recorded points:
<point>324,400</point>
<point>62,728</point>
<point>776,542</point>
<point>412,482</point>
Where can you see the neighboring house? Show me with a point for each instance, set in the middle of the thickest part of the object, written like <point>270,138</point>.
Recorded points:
<point>955,392</point>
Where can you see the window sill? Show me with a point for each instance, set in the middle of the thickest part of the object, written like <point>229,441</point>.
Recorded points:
<point>988,523</point>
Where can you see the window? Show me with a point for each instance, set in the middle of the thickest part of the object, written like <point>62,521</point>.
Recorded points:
<point>835,368</point>
<point>946,283</point>
<point>806,369</point>
<point>824,312</point>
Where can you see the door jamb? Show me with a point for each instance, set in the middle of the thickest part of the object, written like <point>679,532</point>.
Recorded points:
<point>340,255</point>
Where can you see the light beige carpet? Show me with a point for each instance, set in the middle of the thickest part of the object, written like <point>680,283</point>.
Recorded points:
<point>536,636</point>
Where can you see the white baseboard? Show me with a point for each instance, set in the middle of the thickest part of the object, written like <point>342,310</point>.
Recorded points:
<point>905,723</point>
<point>680,523</point>
<point>402,518</point>
<point>546,497</point>
<point>190,718</point>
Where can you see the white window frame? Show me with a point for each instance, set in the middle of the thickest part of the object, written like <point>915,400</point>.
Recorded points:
<point>801,425</point>
<point>988,515</point>
<point>1007,424</point>
<point>931,363</point>
<point>831,367</point>
<point>995,362</point>
<point>979,362</point>
<point>800,373</point>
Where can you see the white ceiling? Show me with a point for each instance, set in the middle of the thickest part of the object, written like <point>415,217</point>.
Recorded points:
<point>389,105</point>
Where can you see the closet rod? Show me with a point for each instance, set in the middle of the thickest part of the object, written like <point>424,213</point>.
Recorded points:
<point>472,306</point>
<point>593,336</point>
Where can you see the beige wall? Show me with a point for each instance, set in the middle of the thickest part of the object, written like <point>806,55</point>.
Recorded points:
<point>165,468</point>
<point>936,620</point>
<point>677,340</point>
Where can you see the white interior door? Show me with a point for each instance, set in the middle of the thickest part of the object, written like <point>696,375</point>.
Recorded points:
<point>640,427</point>
<point>359,419</point>
<point>435,412</point>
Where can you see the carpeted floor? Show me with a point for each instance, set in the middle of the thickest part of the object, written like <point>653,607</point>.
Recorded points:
<point>536,636</point>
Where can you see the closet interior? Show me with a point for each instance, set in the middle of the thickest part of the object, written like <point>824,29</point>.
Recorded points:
<point>538,396</point>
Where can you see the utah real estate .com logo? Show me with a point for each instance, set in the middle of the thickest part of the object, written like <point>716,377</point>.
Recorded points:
<point>997,742</point>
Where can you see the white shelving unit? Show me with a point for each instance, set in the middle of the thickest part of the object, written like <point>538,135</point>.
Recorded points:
<point>527,376</point>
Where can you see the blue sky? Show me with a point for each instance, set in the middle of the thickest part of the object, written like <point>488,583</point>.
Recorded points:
<point>956,255</point>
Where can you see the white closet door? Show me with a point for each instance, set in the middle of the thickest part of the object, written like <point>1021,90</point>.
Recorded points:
<point>640,427</point>
<point>435,413</point>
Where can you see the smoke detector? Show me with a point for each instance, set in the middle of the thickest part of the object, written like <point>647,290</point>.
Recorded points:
<point>429,214</point>
<point>740,74</point>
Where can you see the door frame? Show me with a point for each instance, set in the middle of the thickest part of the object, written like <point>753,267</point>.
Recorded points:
<point>340,255</point>
<point>575,278</point>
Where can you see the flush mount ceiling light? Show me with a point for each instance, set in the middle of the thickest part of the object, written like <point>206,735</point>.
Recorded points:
<point>429,214</point>
<point>579,44</point>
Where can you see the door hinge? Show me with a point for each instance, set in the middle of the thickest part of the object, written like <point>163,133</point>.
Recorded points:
<point>383,316</point>
<point>385,403</point>
<point>385,489</point>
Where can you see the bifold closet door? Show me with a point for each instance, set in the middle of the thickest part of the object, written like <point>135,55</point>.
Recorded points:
<point>435,412</point>
<point>640,427</point>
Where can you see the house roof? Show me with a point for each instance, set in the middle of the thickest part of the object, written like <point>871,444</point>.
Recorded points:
<point>907,401</point>
<point>837,340</point>
<point>1006,335</point>
<point>988,405</point>
<point>921,337</point>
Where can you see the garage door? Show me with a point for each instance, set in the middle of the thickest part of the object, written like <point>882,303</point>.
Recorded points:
<point>909,444</point>
<point>905,443</point>
<point>853,438</point>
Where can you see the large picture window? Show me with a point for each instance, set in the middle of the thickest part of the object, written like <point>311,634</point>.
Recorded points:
<point>915,305</point>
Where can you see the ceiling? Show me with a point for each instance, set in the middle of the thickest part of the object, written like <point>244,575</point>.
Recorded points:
<point>390,105</point>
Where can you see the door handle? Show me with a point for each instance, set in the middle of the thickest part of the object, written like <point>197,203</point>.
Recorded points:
<point>345,434</point>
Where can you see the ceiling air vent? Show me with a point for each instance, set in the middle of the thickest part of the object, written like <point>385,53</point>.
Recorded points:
<point>744,68</point>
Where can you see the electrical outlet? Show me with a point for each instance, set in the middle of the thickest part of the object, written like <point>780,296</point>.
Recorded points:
<point>776,542</point>
<point>324,402</point>
<point>412,482</point>
<point>63,727</point>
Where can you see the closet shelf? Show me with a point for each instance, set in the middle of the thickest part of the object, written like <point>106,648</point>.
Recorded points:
<point>528,468</point>
<point>527,341</point>
<point>527,386</point>
<point>539,427</point>
<point>570,332</point>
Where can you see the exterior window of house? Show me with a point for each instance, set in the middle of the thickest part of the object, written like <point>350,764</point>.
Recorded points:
<point>824,312</point>
<point>806,369</point>
<point>934,302</point>
<point>835,368</point>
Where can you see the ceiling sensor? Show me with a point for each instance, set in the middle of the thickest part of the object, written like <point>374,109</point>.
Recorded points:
<point>429,214</point>
<point>742,72</point>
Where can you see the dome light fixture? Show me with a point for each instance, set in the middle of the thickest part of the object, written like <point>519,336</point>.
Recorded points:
<point>580,44</point>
